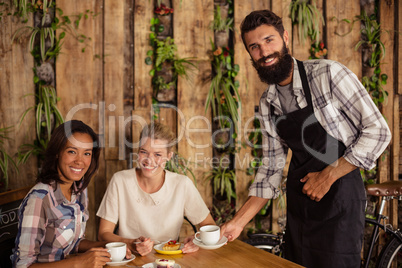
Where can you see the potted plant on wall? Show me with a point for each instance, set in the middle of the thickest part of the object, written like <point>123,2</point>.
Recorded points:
<point>223,181</point>
<point>167,67</point>
<point>221,26</point>
<point>223,95</point>
<point>164,15</point>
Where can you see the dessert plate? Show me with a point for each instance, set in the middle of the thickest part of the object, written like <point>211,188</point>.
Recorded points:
<point>117,263</point>
<point>153,265</point>
<point>220,243</point>
<point>159,248</point>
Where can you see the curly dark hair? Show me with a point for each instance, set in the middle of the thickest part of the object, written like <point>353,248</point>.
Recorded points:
<point>258,18</point>
<point>57,143</point>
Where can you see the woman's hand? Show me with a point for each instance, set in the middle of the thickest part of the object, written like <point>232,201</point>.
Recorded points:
<point>93,258</point>
<point>189,246</point>
<point>143,245</point>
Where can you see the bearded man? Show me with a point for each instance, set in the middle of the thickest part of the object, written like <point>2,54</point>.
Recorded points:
<point>319,110</point>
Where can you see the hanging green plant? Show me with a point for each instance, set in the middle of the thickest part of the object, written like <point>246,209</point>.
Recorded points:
<point>47,118</point>
<point>222,179</point>
<point>166,65</point>
<point>308,19</point>
<point>223,95</point>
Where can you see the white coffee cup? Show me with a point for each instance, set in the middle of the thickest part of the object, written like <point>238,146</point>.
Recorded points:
<point>117,251</point>
<point>209,234</point>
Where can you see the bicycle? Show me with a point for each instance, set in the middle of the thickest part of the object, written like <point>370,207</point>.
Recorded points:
<point>390,255</point>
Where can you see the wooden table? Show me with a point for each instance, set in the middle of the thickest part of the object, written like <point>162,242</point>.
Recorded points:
<point>234,254</point>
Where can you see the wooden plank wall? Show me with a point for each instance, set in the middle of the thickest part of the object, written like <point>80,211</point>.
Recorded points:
<point>192,37</point>
<point>250,92</point>
<point>79,84</point>
<point>115,91</point>
<point>16,82</point>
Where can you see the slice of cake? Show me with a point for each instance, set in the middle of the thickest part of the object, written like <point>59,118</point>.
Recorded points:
<point>164,263</point>
<point>171,245</point>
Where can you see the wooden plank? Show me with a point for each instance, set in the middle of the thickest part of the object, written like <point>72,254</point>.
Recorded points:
<point>251,89</point>
<point>191,21</point>
<point>128,80</point>
<point>97,187</point>
<point>399,50</point>
<point>386,11</point>
<point>282,9</point>
<point>194,127</point>
<point>342,48</point>
<point>143,13</point>
<point>16,82</point>
<point>77,82</point>
<point>396,145</point>
<point>168,116</point>
<point>113,77</point>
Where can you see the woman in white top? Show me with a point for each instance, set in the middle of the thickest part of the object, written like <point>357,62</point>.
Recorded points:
<point>149,203</point>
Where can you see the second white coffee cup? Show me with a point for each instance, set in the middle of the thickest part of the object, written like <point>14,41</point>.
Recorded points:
<point>117,250</point>
<point>209,234</point>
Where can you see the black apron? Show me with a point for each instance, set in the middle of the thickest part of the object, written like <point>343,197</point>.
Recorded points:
<point>327,233</point>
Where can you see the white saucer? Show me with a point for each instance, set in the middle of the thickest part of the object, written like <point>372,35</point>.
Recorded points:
<point>153,265</point>
<point>220,243</point>
<point>117,263</point>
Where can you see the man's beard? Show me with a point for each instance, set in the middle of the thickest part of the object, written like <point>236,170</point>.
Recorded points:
<point>279,71</point>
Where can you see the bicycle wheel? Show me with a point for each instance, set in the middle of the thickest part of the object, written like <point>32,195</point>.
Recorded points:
<point>269,244</point>
<point>391,255</point>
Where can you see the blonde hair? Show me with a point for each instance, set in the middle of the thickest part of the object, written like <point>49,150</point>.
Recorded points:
<point>158,131</point>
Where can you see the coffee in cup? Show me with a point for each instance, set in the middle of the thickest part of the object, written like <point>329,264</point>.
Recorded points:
<point>209,234</point>
<point>117,251</point>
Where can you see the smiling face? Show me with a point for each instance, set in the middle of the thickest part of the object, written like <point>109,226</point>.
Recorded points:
<point>269,53</point>
<point>75,158</point>
<point>152,158</point>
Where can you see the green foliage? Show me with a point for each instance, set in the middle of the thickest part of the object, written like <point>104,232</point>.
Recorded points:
<point>47,117</point>
<point>165,51</point>
<point>223,213</point>
<point>374,87</point>
<point>180,165</point>
<point>371,37</point>
<point>61,23</point>
<point>223,94</point>
<point>308,18</point>
<point>371,42</point>
<point>373,52</point>
<point>223,179</point>
<point>6,161</point>
<point>255,138</point>
<point>219,23</point>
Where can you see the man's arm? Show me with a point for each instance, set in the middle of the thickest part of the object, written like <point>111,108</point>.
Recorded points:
<point>317,184</point>
<point>251,207</point>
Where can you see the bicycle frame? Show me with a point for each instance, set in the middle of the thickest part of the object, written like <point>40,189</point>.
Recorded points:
<point>377,225</point>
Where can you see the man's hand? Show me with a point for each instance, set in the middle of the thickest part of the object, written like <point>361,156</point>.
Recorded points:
<point>317,184</point>
<point>231,230</point>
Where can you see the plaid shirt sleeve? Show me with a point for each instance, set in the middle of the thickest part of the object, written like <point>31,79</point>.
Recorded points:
<point>31,230</point>
<point>269,175</point>
<point>349,114</point>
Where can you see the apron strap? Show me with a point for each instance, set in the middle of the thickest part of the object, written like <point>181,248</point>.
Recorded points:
<point>306,87</point>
